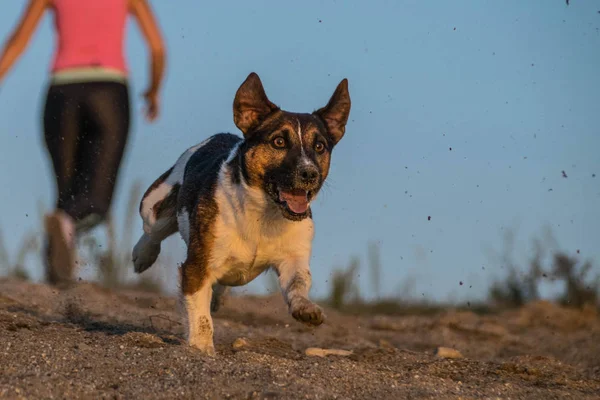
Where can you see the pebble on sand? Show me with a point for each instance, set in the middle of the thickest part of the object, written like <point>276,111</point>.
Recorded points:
<point>317,352</point>
<point>447,352</point>
<point>239,344</point>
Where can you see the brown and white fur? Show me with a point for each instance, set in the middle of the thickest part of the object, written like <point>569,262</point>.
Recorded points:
<point>242,206</point>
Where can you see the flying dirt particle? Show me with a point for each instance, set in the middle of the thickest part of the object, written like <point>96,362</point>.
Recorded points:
<point>320,21</point>
<point>578,251</point>
<point>593,175</point>
<point>550,189</point>
<point>26,215</point>
<point>450,148</point>
<point>429,218</point>
<point>460,283</point>
<point>564,174</point>
<point>532,64</point>
<point>545,275</point>
<point>454,28</point>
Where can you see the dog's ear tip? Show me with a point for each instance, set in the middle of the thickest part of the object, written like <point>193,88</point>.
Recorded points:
<point>253,75</point>
<point>342,88</point>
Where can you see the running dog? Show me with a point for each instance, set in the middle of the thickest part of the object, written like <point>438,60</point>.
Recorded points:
<point>242,205</point>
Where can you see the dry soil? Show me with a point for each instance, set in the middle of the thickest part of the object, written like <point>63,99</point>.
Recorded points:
<point>89,342</point>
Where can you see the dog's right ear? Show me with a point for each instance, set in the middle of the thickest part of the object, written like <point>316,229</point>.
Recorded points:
<point>251,105</point>
<point>335,114</point>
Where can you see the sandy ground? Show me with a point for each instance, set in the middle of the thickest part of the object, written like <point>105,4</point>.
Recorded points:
<point>89,342</point>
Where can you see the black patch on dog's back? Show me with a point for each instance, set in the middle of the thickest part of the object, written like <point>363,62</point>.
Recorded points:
<point>201,175</point>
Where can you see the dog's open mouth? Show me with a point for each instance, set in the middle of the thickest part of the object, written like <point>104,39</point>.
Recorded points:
<point>295,201</point>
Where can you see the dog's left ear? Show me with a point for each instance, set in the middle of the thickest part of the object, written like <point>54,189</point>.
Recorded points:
<point>251,105</point>
<point>336,112</point>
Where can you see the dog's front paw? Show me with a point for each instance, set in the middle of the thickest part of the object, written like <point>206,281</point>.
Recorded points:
<point>307,312</point>
<point>207,349</point>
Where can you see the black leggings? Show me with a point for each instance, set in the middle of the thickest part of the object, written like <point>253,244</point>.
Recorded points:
<point>86,126</point>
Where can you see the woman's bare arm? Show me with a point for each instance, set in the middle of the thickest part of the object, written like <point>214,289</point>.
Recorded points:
<point>149,27</point>
<point>19,39</point>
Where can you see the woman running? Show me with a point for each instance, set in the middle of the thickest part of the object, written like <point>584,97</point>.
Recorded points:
<point>86,116</point>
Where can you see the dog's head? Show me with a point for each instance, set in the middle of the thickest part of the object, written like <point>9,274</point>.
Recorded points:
<point>286,154</point>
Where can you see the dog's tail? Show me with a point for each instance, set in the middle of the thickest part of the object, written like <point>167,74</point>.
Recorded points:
<point>158,210</point>
<point>159,203</point>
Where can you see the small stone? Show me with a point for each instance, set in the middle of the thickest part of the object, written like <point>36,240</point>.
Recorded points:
<point>239,344</point>
<point>140,339</point>
<point>318,352</point>
<point>447,352</point>
<point>82,346</point>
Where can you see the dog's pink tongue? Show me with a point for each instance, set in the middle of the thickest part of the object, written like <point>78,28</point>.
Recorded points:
<point>296,200</point>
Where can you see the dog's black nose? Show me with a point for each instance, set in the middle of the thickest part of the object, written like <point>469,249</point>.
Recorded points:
<point>309,174</point>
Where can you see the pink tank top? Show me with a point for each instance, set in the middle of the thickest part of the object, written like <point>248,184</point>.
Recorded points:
<point>90,33</point>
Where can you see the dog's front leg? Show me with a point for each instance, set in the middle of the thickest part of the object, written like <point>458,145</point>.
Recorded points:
<point>295,281</point>
<point>197,293</point>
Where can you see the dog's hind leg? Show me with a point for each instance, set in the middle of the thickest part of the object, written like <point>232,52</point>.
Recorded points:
<point>158,211</point>
<point>218,293</point>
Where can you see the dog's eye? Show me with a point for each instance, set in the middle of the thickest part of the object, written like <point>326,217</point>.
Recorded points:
<point>319,147</point>
<point>279,142</point>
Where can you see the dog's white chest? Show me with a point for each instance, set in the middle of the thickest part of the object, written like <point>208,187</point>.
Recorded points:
<point>247,241</point>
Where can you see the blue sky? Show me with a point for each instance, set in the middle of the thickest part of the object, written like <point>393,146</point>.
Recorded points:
<point>512,87</point>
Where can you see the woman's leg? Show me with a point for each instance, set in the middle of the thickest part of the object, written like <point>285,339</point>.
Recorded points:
<point>61,132</point>
<point>86,128</point>
<point>106,122</point>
